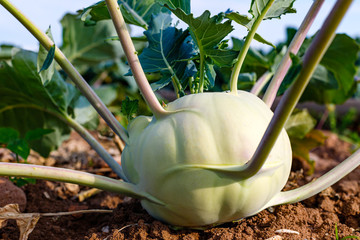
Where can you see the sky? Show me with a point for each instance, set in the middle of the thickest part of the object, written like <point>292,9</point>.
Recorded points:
<point>45,13</point>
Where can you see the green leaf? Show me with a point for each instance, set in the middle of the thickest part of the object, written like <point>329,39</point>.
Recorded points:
<point>253,58</point>
<point>333,81</point>
<point>49,59</point>
<point>340,59</point>
<point>168,52</point>
<point>174,4</point>
<point>20,147</point>
<point>45,65</point>
<point>137,12</point>
<point>302,147</point>
<point>206,32</point>
<point>223,57</point>
<point>299,124</point>
<point>26,104</point>
<point>246,81</point>
<point>87,46</point>
<point>129,107</point>
<point>8,135</point>
<point>278,8</point>
<point>6,52</point>
<point>37,134</point>
<point>245,21</point>
<point>84,112</point>
<point>18,181</point>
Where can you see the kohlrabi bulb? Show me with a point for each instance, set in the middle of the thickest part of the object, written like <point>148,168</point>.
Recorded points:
<point>208,129</point>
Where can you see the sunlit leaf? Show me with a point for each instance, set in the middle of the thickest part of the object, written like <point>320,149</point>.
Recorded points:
<point>168,51</point>
<point>88,46</point>
<point>137,12</point>
<point>25,103</point>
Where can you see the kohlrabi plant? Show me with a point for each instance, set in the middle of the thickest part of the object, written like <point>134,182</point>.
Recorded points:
<point>207,157</point>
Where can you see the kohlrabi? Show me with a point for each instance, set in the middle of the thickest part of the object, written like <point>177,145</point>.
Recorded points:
<point>206,158</point>
<point>214,129</point>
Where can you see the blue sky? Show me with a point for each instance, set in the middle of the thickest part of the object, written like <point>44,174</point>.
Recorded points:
<point>44,13</point>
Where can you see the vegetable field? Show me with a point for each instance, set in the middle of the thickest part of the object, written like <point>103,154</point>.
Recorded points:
<point>181,133</point>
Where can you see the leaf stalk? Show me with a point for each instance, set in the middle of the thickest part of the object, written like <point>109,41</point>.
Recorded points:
<point>243,52</point>
<point>294,47</point>
<point>133,59</point>
<point>73,176</point>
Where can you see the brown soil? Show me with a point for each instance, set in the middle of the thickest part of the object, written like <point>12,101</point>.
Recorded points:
<point>314,218</point>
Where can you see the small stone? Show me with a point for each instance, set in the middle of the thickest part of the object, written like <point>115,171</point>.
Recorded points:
<point>11,194</point>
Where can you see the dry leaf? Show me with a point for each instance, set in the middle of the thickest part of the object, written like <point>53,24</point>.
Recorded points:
<point>25,221</point>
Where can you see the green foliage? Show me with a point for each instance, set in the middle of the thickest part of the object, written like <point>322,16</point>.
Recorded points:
<point>303,136</point>
<point>277,9</point>
<point>26,103</point>
<point>137,12</point>
<point>346,237</point>
<point>168,52</point>
<point>21,146</point>
<point>87,46</point>
<point>129,108</point>
<point>333,81</point>
<point>85,114</point>
<point>174,4</point>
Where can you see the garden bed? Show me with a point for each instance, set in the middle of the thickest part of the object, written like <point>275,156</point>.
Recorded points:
<point>314,218</point>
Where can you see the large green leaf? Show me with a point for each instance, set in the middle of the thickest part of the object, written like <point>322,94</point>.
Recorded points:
<point>26,104</point>
<point>333,81</point>
<point>137,12</point>
<point>206,31</point>
<point>168,51</point>
<point>174,4</point>
<point>245,21</point>
<point>278,8</point>
<point>88,46</point>
<point>299,124</point>
<point>85,114</point>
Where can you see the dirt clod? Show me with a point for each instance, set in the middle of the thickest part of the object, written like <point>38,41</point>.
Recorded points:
<point>9,193</point>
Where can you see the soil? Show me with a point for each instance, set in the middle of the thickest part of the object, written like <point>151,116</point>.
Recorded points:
<point>314,218</point>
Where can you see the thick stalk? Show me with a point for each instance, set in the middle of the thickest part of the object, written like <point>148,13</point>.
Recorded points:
<point>294,47</point>
<point>243,52</point>
<point>73,176</point>
<point>260,84</point>
<point>133,59</point>
<point>82,132</point>
<point>288,102</point>
<point>70,70</point>
<point>319,184</point>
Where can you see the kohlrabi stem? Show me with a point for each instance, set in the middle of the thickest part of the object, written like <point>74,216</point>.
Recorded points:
<point>260,84</point>
<point>243,51</point>
<point>70,70</point>
<point>294,47</point>
<point>115,166</point>
<point>288,102</point>
<point>319,184</point>
<point>133,59</point>
<point>73,176</point>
